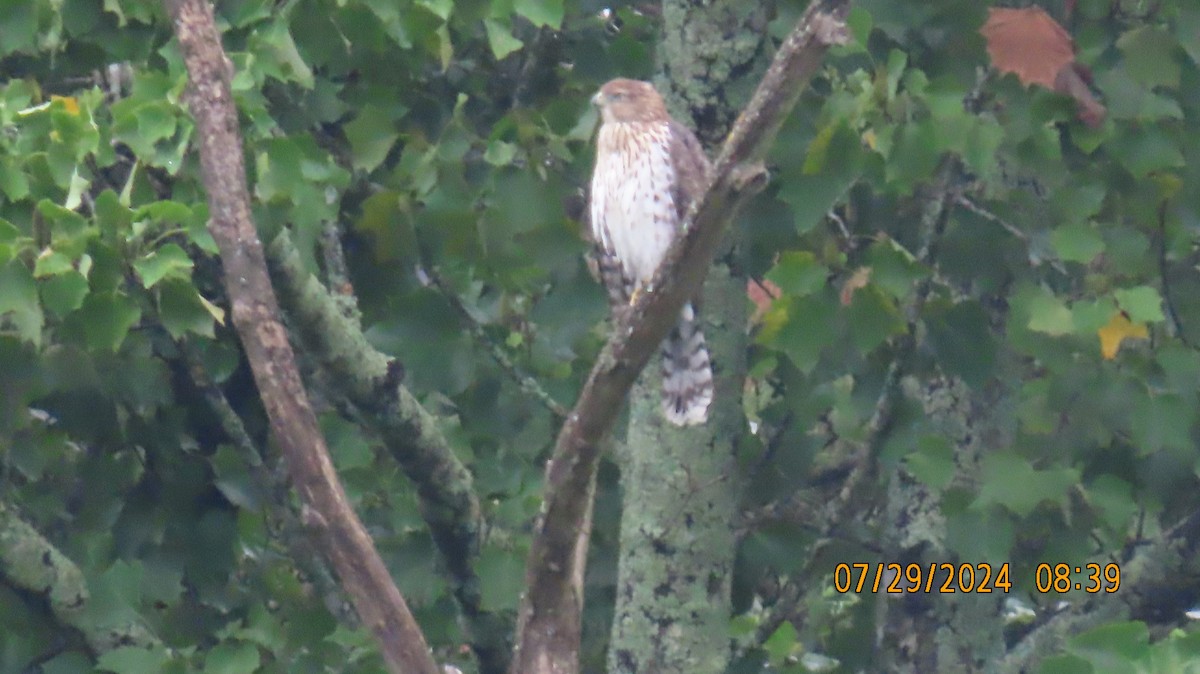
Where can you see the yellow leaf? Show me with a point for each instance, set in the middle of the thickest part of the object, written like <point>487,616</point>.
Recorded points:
<point>870,139</point>
<point>69,103</point>
<point>216,312</point>
<point>1119,328</point>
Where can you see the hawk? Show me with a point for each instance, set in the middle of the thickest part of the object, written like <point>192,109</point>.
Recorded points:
<point>649,169</point>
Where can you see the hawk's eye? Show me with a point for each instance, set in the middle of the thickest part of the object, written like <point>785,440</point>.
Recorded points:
<point>616,96</point>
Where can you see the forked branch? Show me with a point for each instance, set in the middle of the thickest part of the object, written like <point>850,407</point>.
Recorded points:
<point>549,621</point>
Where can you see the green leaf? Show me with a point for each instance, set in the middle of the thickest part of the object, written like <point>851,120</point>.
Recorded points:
<point>1143,304</point>
<point>801,329</point>
<point>1009,480</point>
<point>183,310</point>
<point>798,273</point>
<point>372,135</point>
<point>13,180</point>
<point>51,263</point>
<point>63,293</point>
<point>133,660</point>
<point>347,444</point>
<point>548,13</point>
<point>1089,317</point>
<point>106,319</point>
<point>933,462</point>
<point>1050,315</point>
<point>19,301</point>
<point>232,658</point>
<point>279,57</point>
<point>1149,55</point>
<point>964,342</point>
<point>1111,644</point>
<point>1147,150</point>
<point>1077,242</point>
<point>1065,664</point>
<point>168,261</point>
<point>1162,421</point>
<point>894,269</point>
<point>982,536</point>
<point>500,153</point>
<point>1114,498</point>
<point>782,643</point>
<point>440,8</point>
<point>235,478</point>
<point>502,578</point>
<point>501,39</point>
<point>872,318</point>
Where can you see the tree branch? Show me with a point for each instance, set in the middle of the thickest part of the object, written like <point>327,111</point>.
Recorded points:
<point>30,562</point>
<point>549,621</point>
<point>255,313</point>
<point>369,382</point>
<point>1156,586</point>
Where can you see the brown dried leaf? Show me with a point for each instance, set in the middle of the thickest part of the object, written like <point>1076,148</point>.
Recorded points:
<point>1029,43</point>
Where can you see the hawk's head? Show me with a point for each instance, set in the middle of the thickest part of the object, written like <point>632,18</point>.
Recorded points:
<point>623,100</point>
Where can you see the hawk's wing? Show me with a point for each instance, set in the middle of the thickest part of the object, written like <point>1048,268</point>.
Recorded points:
<point>691,168</point>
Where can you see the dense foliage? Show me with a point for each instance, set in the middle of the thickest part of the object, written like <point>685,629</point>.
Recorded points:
<point>1053,300</point>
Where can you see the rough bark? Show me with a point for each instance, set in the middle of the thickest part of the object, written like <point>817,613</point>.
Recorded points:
<point>30,563</point>
<point>255,313</point>
<point>549,620</point>
<point>952,632</point>
<point>680,492</point>
<point>368,380</point>
<point>679,488</point>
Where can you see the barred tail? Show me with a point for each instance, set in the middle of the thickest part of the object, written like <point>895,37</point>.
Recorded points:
<point>687,373</point>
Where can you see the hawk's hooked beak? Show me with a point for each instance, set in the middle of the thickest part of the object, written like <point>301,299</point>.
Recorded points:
<point>598,99</point>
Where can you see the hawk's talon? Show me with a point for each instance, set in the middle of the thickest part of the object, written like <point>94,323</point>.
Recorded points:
<point>633,297</point>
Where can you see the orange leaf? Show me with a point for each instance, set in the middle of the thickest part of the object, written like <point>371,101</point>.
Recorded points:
<point>1119,329</point>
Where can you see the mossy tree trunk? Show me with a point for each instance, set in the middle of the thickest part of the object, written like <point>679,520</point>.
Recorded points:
<point>680,486</point>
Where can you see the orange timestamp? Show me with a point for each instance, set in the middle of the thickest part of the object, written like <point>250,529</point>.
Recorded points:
<point>1092,578</point>
<point>943,578</point>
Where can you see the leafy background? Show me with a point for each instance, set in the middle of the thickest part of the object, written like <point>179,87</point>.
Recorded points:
<point>452,137</point>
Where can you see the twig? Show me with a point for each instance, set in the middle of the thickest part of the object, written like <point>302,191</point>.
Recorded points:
<point>255,313</point>
<point>526,383</point>
<point>549,620</point>
<point>1165,278</point>
<point>1021,236</point>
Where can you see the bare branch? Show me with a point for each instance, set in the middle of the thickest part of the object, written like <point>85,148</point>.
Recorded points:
<point>255,313</point>
<point>549,621</point>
